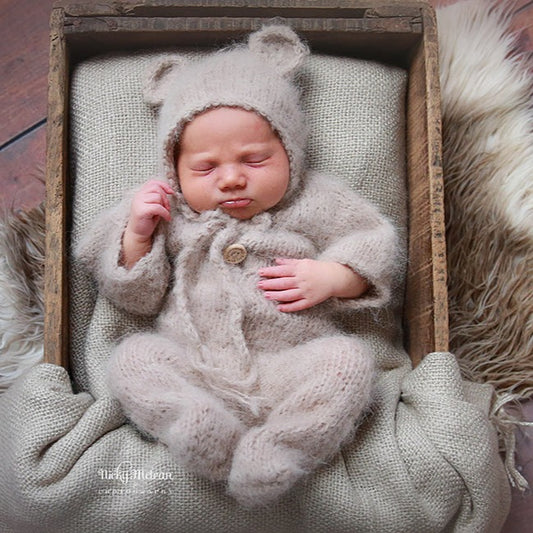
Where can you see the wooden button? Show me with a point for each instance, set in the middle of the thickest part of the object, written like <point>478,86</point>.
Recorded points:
<point>235,254</point>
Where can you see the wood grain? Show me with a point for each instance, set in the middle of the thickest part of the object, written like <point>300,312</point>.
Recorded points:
<point>56,330</point>
<point>194,8</point>
<point>22,164</point>
<point>426,310</point>
<point>24,65</point>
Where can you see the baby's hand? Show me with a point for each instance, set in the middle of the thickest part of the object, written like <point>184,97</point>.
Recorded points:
<point>148,206</point>
<point>299,284</point>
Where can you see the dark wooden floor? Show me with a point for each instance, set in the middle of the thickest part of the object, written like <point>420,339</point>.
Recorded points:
<point>23,78</point>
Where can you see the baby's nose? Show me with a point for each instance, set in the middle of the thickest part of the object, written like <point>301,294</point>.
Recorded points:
<point>231,177</point>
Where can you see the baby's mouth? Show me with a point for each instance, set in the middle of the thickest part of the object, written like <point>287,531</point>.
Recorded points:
<point>236,203</point>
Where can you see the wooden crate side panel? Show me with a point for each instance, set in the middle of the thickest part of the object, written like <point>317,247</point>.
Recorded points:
<point>399,24</point>
<point>55,281</point>
<point>215,8</point>
<point>426,311</point>
<point>436,184</point>
<point>389,39</point>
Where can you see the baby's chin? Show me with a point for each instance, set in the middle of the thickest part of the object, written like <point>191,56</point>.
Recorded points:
<point>240,215</point>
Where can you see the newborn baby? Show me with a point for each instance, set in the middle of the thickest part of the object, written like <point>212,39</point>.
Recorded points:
<point>245,257</point>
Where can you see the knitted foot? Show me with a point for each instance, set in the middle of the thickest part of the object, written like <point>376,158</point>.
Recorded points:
<point>262,471</point>
<point>203,440</point>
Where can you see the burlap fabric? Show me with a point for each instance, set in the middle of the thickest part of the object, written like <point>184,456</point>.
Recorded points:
<point>424,460</point>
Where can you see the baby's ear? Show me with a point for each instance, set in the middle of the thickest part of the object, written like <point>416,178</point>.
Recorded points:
<point>159,77</point>
<point>280,46</point>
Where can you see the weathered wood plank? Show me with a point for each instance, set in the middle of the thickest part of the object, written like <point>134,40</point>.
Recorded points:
<point>426,310</point>
<point>55,281</point>
<point>193,24</point>
<point>388,39</point>
<point>269,8</point>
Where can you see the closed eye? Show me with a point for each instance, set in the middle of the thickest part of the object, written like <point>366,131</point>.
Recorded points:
<point>255,160</point>
<point>203,169</point>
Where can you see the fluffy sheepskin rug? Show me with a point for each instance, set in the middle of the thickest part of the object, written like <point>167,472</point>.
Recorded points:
<point>488,161</point>
<point>488,173</point>
<point>21,287</point>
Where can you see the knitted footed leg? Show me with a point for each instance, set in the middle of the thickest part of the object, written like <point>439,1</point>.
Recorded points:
<point>145,375</point>
<point>264,468</point>
<point>309,424</point>
<point>204,438</point>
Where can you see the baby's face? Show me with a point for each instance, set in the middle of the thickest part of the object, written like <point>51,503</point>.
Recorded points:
<point>231,158</point>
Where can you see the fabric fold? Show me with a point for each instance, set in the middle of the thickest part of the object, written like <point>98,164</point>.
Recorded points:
<point>425,460</point>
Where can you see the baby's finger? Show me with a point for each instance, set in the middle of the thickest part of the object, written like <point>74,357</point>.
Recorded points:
<point>152,198</point>
<point>165,190</point>
<point>289,295</point>
<point>155,210</point>
<point>166,187</point>
<point>163,199</point>
<point>150,186</point>
<point>156,197</point>
<point>277,271</point>
<point>277,284</point>
<point>164,213</point>
<point>160,188</point>
<point>158,184</point>
<point>291,307</point>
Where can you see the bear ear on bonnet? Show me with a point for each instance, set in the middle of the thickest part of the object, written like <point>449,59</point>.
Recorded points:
<point>279,46</point>
<point>276,45</point>
<point>159,77</point>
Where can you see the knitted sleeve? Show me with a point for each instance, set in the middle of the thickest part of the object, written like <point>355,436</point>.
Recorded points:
<point>139,290</point>
<point>349,230</point>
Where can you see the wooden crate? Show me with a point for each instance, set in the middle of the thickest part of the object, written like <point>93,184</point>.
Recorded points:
<point>402,33</point>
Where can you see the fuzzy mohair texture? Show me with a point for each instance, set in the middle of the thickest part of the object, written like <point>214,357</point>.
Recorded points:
<point>488,156</point>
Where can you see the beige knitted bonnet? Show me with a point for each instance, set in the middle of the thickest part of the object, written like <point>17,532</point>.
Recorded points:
<point>256,76</point>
